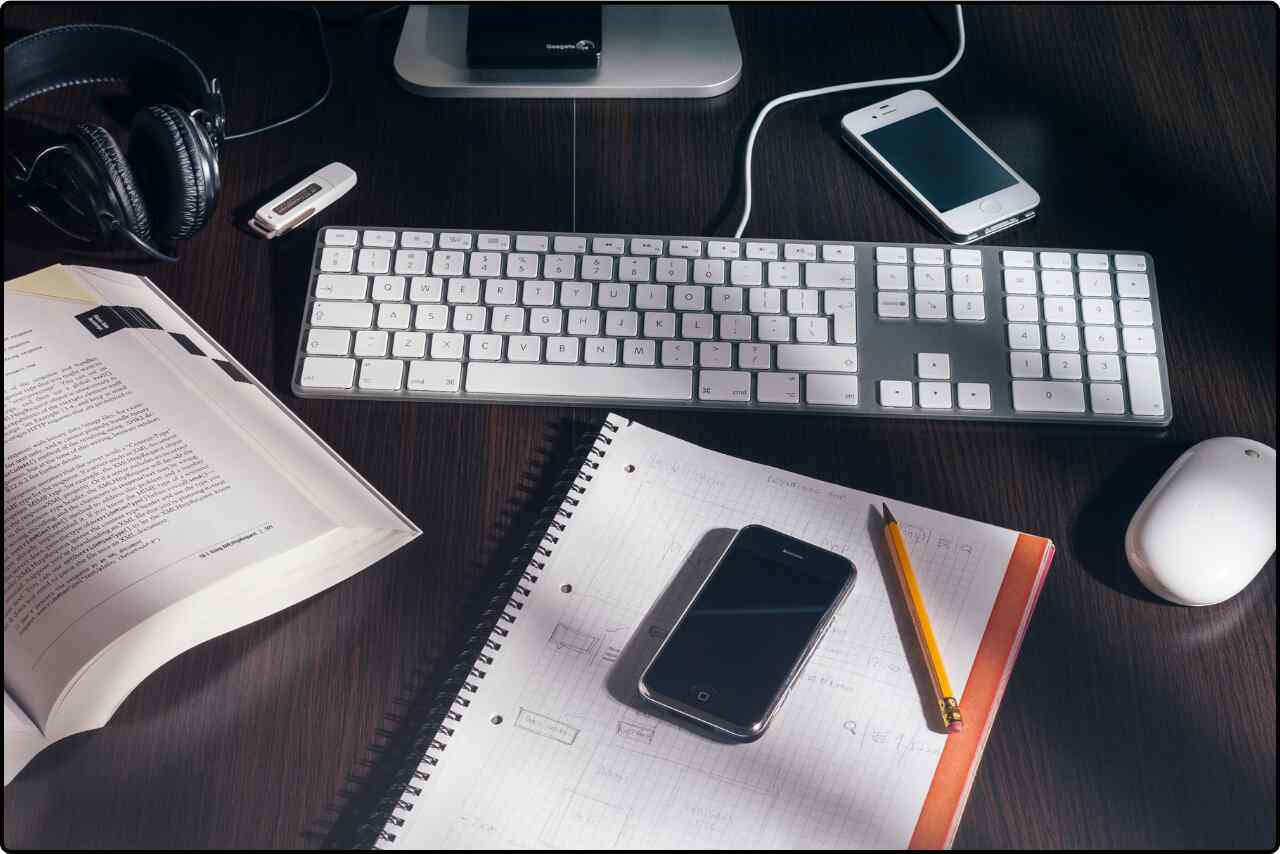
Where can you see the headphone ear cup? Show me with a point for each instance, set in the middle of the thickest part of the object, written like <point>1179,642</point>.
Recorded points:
<point>118,190</point>
<point>165,154</point>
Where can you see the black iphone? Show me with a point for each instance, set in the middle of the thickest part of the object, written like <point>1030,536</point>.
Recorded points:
<point>741,643</point>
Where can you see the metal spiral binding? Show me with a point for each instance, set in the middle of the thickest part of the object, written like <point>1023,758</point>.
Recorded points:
<point>478,653</point>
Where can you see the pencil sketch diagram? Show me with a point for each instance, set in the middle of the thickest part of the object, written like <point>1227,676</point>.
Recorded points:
<point>547,727</point>
<point>564,637</point>
<point>584,822</point>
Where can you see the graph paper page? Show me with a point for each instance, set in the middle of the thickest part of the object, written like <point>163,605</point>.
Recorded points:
<point>557,750</point>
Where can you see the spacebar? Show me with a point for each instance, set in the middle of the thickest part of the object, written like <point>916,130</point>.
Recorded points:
<point>579,381</point>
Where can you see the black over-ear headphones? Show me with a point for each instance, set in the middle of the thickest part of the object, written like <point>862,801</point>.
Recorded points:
<point>166,187</point>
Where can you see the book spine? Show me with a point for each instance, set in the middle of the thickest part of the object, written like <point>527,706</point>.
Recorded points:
<point>483,647</point>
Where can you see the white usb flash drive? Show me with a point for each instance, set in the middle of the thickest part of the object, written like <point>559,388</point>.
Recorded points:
<point>303,200</point>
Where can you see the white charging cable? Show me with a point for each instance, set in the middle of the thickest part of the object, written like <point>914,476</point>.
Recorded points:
<point>831,90</point>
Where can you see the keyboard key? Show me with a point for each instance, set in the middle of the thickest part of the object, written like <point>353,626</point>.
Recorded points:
<point>1138,339</point>
<point>707,271</point>
<point>354,315</point>
<point>597,268</point>
<point>381,374</point>
<point>685,248</point>
<point>1018,259</point>
<point>632,269</point>
<point>1133,285</point>
<point>1104,367</point>
<point>1065,366</point>
<point>933,366</point>
<point>773,328</point>
<point>1020,281</point>
<point>484,348</point>
<point>432,318</point>
<point>614,296</point>
<point>1133,263</point>
<point>1057,283</point>
<point>715,354</point>
<point>973,395</point>
<point>1135,312</point>
<point>328,342</point>
<point>1022,309</point>
<point>813,357</point>
<point>845,325</point>
<point>891,255</point>
<point>336,260</point>
<point>1055,260</point>
<point>765,300</point>
<point>723,249</point>
<point>659,324</point>
<point>546,321</point>
<point>531,243</point>
<point>784,274</point>
<point>930,279</point>
<point>320,372</point>
<point>373,261</point>
<point>825,275</point>
<point>746,273</point>
<point>601,351</point>
<point>1098,311</point>
<point>730,299</point>
<point>1145,393</point>
<point>813,330</point>
<point>394,315</point>
<point>646,246</point>
<point>569,244</point>
<point>967,257</point>
<point>455,240</point>
<point>800,252</point>
<point>410,262</point>
<point>608,245</point>
<point>540,293</point>
<point>576,294</point>
<point>447,263</point>
<point>931,306</point>
<point>1101,339</point>
<point>637,351</point>
<point>1024,365</point>
<point>588,381</point>
<point>697,326</point>
<point>763,251</point>
<point>463,291</point>
<point>896,394</point>
<point>802,301</point>
<point>754,356</point>
<point>1063,338</point>
<point>651,297</point>
<point>434,376</point>
<point>1048,396</point>
<point>892,305</point>
<point>1095,284</point>
<point>966,280</point>
<point>500,292</point>
<point>890,277</point>
<point>735,327</point>
<point>837,252</point>
<point>524,348</point>
<point>409,345</point>
<point>370,344</point>
<point>689,298</point>
<point>935,395</point>
<point>447,345</point>
<point>484,264</point>
<point>1024,336</point>
<point>831,390</point>
<point>557,266</point>
<point>330,286</point>
<point>778,387</point>
<point>966,307</point>
<point>388,288</point>
<point>562,349</point>
<point>417,240</point>
<point>1106,398</point>
<point>384,239</point>
<point>340,237</point>
<point>1092,261</point>
<point>724,386</point>
<point>508,320</point>
<point>677,354</point>
<point>673,271</point>
<point>932,256</point>
<point>1059,310</point>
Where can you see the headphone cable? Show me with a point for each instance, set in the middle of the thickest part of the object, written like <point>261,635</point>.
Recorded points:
<point>328,86</point>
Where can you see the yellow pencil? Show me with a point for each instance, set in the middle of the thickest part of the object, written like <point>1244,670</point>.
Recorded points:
<point>947,704</point>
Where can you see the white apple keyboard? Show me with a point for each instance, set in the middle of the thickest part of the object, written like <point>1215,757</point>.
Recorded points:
<point>849,328</point>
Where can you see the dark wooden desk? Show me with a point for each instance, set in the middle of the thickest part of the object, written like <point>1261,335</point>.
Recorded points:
<point>1127,722</point>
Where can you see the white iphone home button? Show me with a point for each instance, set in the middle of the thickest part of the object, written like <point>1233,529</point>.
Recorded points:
<point>991,206</point>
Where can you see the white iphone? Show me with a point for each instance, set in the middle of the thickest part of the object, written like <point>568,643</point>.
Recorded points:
<point>955,181</point>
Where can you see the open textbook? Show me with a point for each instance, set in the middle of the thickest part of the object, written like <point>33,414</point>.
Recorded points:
<point>544,742</point>
<point>155,496</point>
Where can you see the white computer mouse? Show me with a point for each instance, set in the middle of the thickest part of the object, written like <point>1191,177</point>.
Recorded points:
<point>1209,525</point>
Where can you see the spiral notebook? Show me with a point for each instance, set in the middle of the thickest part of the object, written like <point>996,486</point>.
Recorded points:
<point>542,740</point>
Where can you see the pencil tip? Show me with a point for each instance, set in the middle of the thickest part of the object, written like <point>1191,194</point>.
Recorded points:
<point>888,514</point>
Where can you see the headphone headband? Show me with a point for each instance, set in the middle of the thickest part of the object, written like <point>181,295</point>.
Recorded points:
<point>81,54</point>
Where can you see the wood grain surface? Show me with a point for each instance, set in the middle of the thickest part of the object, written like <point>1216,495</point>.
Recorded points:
<point>1127,723</point>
